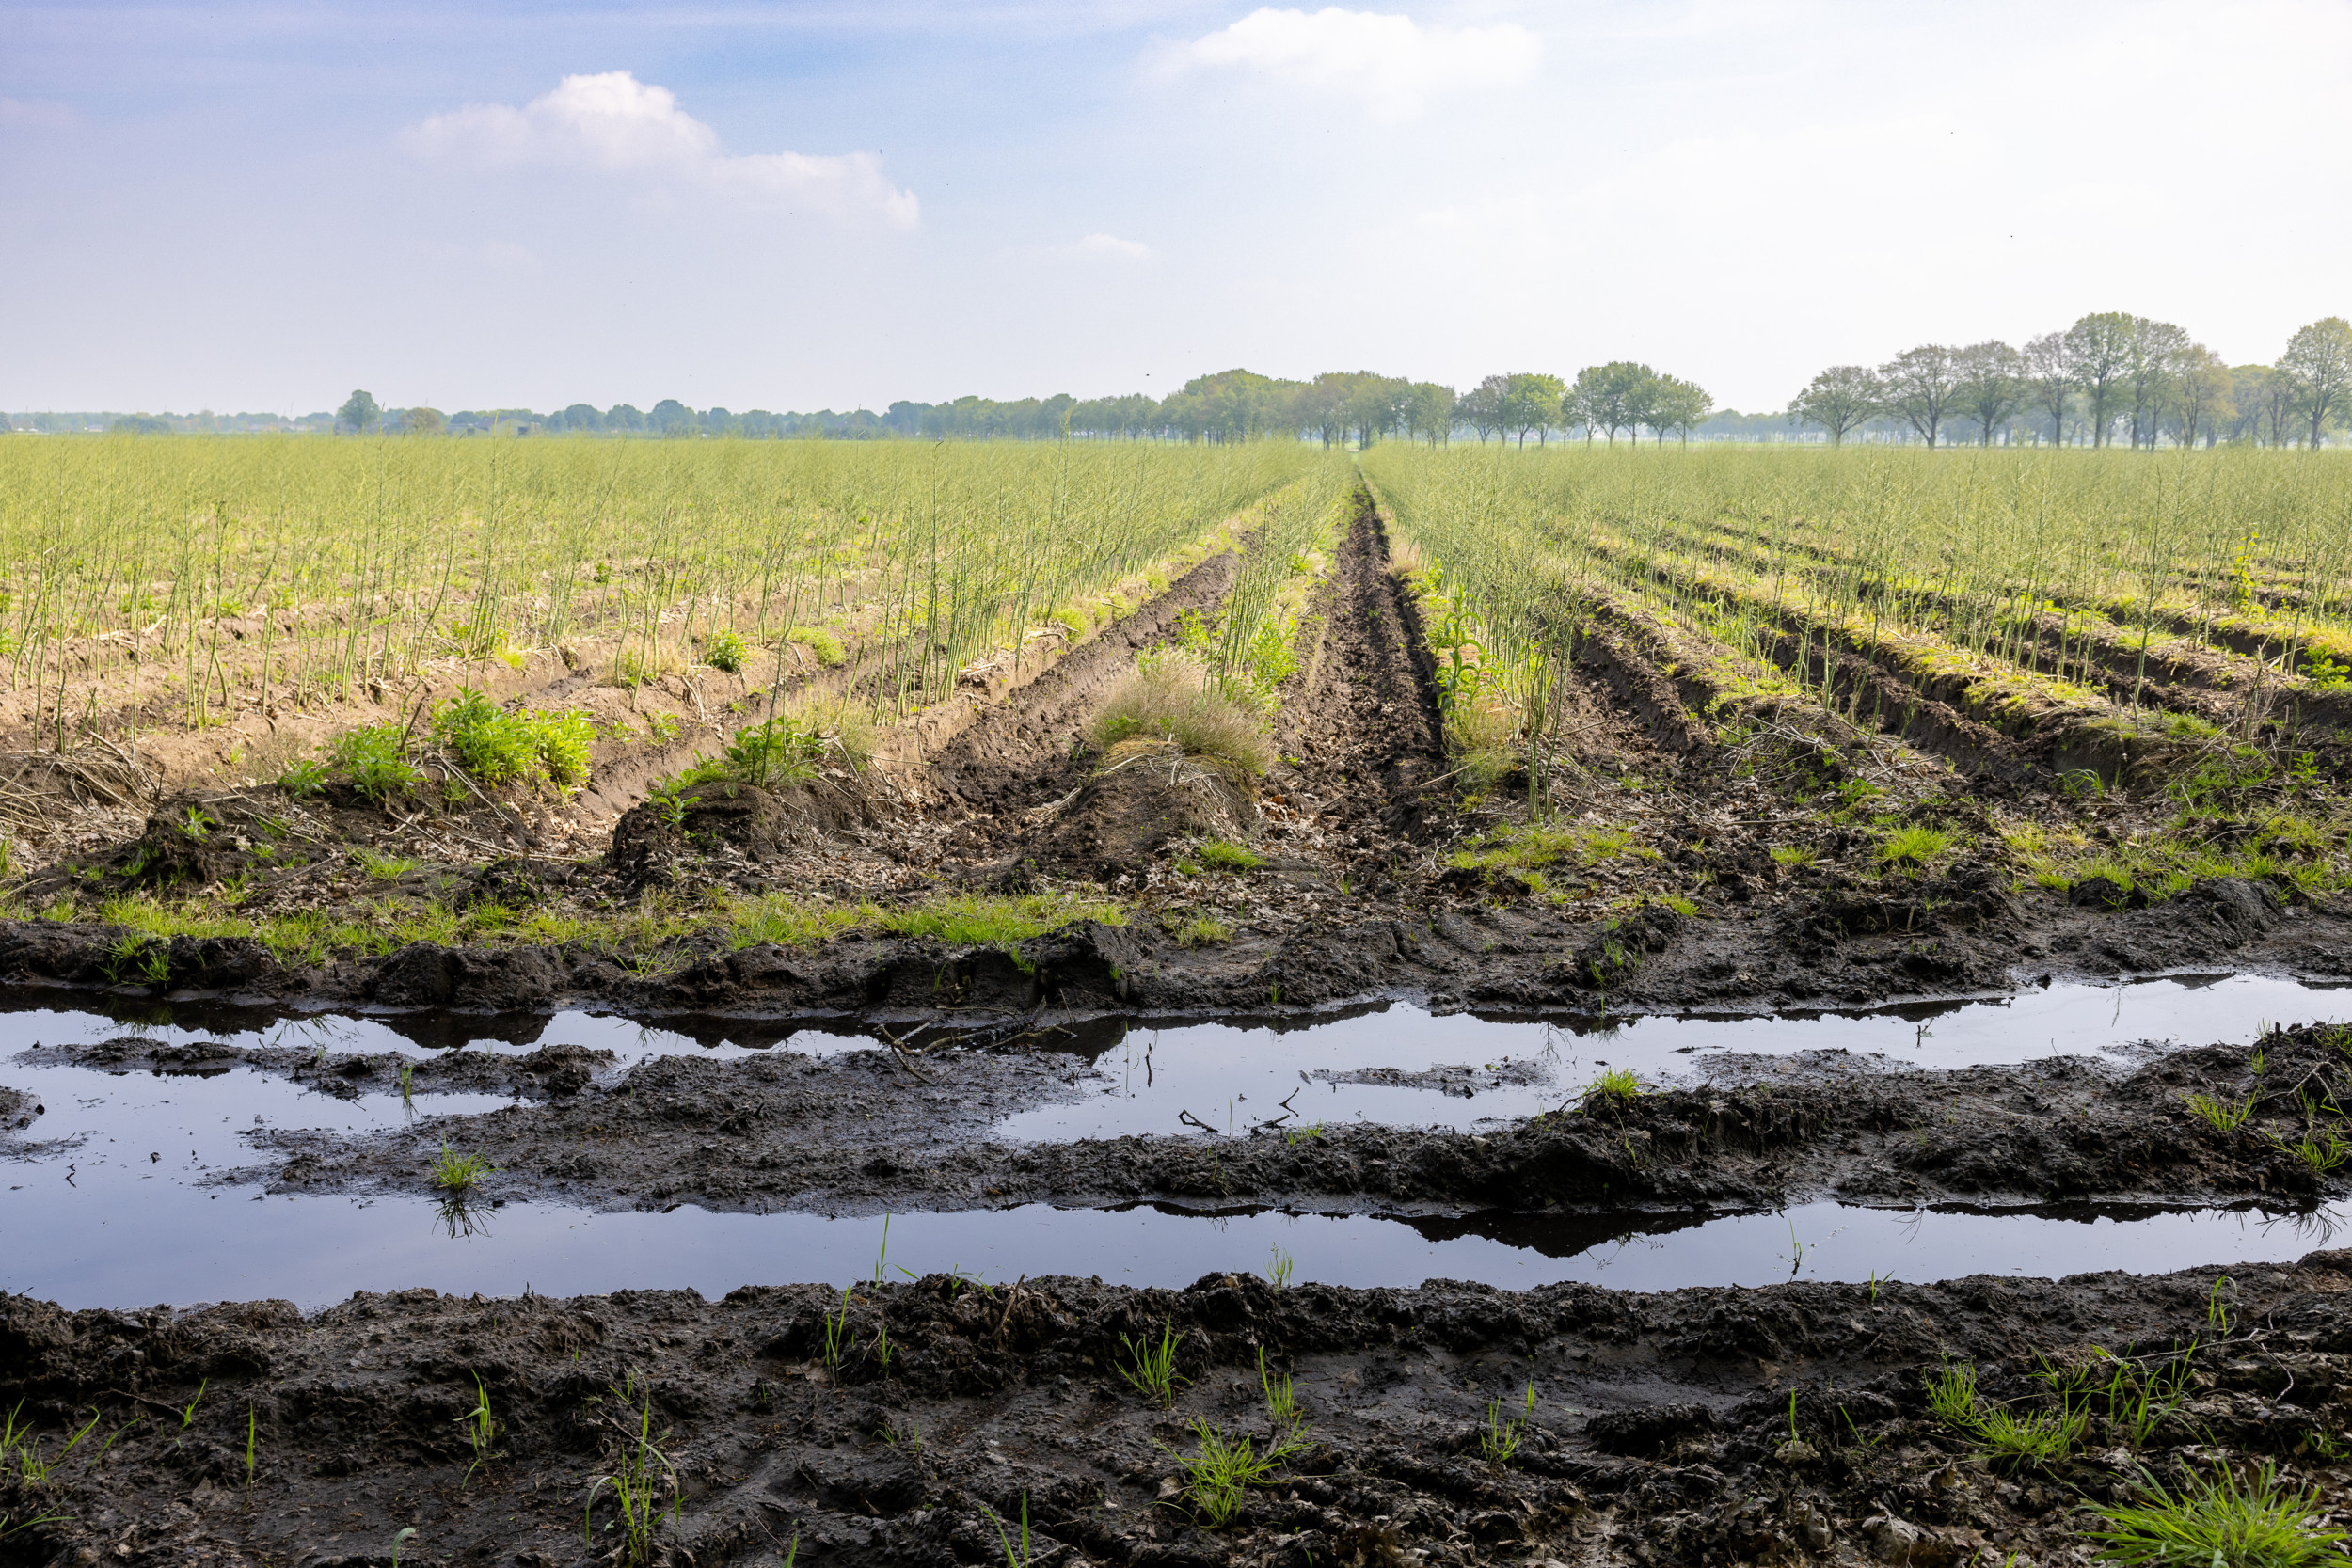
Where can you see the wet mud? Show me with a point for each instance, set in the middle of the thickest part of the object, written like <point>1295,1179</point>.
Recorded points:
<point>909,1422</point>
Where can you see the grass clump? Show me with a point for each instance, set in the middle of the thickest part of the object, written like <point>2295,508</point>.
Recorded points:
<point>1151,1369</point>
<point>976,921</point>
<point>1172,701</point>
<point>822,643</point>
<point>775,917</point>
<point>2029,1437</point>
<point>1535,847</point>
<point>768,754</point>
<point>1225,856</point>
<point>458,1175</point>
<point>1618,1085</point>
<point>2220,1114</point>
<point>1203,929</point>
<point>1913,845</point>
<point>2260,1522</point>
<point>1220,1471</point>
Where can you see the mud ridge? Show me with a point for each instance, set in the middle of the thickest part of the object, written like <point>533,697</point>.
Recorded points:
<point>1786,1423</point>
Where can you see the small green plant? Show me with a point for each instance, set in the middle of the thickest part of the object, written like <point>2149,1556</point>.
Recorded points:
<point>1499,1440</point>
<point>407,1079</point>
<point>197,826</point>
<point>724,650</point>
<point>824,644</point>
<point>1278,1268</point>
<point>1012,1558</point>
<point>637,1483</point>
<point>305,778</point>
<point>252,1452</point>
<point>2319,1154</point>
<point>1203,929</point>
<point>662,728</point>
<point>1952,1396</point>
<point>458,1175</point>
<point>187,1417</point>
<point>1219,1472</point>
<point>384,869</point>
<point>1794,855</point>
<point>768,754</point>
<point>2221,1114</point>
<point>1617,1086</point>
<point>2257,1522</point>
<point>408,1533</point>
<point>480,1429</point>
<point>2217,1302</point>
<point>669,802</point>
<point>1282,1399</point>
<point>1152,1368</point>
<point>836,1334</point>
<point>373,760</point>
<point>1222,856</point>
<point>1913,845</point>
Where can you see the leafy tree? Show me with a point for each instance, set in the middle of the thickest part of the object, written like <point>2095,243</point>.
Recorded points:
<point>2158,352</point>
<point>1481,408</point>
<point>359,412</point>
<point>670,417</point>
<point>1919,387</point>
<point>1532,401</point>
<point>2200,395</point>
<point>422,421</point>
<point>1678,405</point>
<point>622,416</point>
<point>580,415</point>
<point>1429,411</point>
<point>1840,399</point>
<point>2098,356</point>
<point>2050,381</point>
<point>1991,383</point>
<point>2318,365</point>
<point>1613,396</point>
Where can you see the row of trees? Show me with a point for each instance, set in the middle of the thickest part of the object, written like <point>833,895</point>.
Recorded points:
<point>2110,375</point>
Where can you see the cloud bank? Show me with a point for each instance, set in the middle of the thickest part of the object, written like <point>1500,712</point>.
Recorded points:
<point>611,122</point>
<point>1393,63</point>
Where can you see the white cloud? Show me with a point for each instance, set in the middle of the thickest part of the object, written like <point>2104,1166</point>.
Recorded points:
<point>1394,63</point>
<point>1112,247</point>
<point>614,123</point>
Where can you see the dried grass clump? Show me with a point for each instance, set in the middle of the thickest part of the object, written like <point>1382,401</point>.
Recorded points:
<point>1172,702</point>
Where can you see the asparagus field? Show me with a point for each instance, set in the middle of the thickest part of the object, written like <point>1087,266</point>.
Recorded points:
<point>564,878</point>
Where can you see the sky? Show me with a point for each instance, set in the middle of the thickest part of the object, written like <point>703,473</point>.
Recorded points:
<point>816,203</point>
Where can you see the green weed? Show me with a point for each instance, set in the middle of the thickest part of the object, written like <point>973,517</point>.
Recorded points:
<point>637,1483</point>
<point>2221,1114</point>
<point>1222,856</point>
<point>1913,845</point>
<point>1499,1440</point>
<point>1151,1369</point>
<point>724,650</point>
<point>1220,1470</point>
<point>459,1175</point>
<point>2221,1520</point>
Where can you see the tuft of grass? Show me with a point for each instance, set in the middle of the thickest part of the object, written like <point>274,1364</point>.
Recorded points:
<point>2221,1114</point>
<point>1202,930</point>
<point>1151,1369</point>
<point>2318,1154</point>
<point>1617,1086</point>
<point>1794,855</point>
<point>970,920</point>
<point>781,919</point>
<point>1172,699</point>
<point>1498,1441</point>
<point>1220,1470</point>
<point>2258,1522</point>
<point>1913,845</point>
<point>459,1173</point>
<point>384,869</point>
<point>2030,1437</point>
<point>824,644</point>
<point>1224,856</point>
<point>636,1484</point>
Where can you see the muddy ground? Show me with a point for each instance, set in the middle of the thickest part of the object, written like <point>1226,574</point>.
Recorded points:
<point>1787,1424</point>
<point>872,1131</point>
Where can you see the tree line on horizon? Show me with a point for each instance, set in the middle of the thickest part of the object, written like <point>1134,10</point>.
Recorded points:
<point>2110,377</point>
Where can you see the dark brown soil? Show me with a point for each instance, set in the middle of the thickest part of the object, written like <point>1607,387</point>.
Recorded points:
<point>1709,1426</point>
<point>909,1127</point>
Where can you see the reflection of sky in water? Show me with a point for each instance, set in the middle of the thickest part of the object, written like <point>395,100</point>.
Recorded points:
<point>107,1199</point>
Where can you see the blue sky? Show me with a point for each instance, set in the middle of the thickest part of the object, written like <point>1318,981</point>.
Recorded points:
<point>797,205</point>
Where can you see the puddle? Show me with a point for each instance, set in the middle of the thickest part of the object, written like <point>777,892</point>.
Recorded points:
<point>183,1244</point>
<point>1233,1076</point>
<point>1397,1064</point>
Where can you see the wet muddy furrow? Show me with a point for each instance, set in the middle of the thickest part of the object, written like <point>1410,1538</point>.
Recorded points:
<point>874,1130</point>
<point>909,1423</point>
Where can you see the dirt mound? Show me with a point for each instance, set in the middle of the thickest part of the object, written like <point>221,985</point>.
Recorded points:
<point>18,1109</point>
<point>1118,819</point>
<point>736,821</point>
